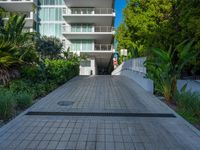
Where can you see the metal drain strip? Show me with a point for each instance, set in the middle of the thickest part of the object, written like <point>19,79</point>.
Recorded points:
<point>100,114</point>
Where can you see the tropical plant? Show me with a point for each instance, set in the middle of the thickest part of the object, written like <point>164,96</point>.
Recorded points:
<point>24,100</point>
<point>9,61</point>
<point>61,70</point>
<point>188,104</point>
<point>49,47</point>
<point>150,24</point>
<point>7,104</point>
<point>2,12</point>
<point>166,66</point>
<point>16,48</point>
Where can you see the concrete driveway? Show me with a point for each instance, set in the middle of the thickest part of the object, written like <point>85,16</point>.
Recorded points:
<point>99,113</point>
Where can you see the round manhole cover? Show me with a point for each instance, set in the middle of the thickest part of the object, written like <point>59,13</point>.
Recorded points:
<point>65,103</point>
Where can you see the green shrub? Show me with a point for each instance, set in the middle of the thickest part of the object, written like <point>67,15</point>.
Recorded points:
<point>189,103</point>
<point>40,89</point>
<point>20,85</point>
<point>7,104</point>
<point>50,86</point>
<point>34,72</point>
<point>24,100</point>
<point>60,70</point>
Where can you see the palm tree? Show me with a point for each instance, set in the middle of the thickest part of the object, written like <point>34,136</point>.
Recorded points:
<point>15,46</point>
<point>9,61</point>
<point>166,66</point>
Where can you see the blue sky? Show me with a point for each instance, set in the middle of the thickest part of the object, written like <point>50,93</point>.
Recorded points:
<point>119,6</point>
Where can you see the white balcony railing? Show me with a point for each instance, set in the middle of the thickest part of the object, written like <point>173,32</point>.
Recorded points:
<point>87,11</point>
<point>19,0</point>
<point>92,48</point>
<point>69,29</point>
<point>32,1</point>
<point>103,47</point>
<point>29,15</point>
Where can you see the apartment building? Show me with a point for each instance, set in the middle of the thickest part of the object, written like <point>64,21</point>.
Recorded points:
<point>88,30</point>
<point>84,26</point>
<point>28,7</point>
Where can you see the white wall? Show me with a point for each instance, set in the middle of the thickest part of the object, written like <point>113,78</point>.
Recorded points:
<point>193,85</point>
<point>87,70</point>
<point>135,70</point>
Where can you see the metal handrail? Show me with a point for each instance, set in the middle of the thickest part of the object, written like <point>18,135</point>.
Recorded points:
<point>18,0</point>
<point>32,1</point>
<point>97,47</point>
<point>69,29</point>
<point>88,11</point>
<point>29,15</point>
<point>103,47</point>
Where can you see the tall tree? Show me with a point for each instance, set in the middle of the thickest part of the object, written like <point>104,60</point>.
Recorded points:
<point>143,20</point>
<point>150,24</point>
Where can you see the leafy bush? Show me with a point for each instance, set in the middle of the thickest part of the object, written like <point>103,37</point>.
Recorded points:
<point>61,70</point>
<point>36,81</point>
<point>34,72</point>
<point>24,100</point>
<point>7,104</point>
<point>20,85</point>
<point>166,66</point>
<point>189,104</point>
<point>40,89</point>
<point>49,47</point>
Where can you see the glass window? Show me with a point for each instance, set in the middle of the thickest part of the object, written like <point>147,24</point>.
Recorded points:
<point>50,29</point>
<point>76,45</point>
<point>50,14</point>
<point>78,28</point>
<point>82,45</point>
<point>73,28</point>
<point>76,11</point>
<point>87,45</point>
<point>86,63</point>
<point>51,2</point>
<point>81,28</point>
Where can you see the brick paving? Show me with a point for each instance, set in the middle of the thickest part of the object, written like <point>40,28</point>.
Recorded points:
<point>99,94</point>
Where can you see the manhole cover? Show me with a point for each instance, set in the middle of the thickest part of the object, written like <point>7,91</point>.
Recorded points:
<point>65,103</point>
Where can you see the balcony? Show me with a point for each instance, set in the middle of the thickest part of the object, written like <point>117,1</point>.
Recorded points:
<point>30,18</point>
<point>90,29</point>
<point>18,5</point>
<point>100,16</point>
<point>103,47</point>
<point>90,3</point>
<point>88,11</point>
<point>89,32</point>
<point>29,30</point>
<point>93,48</point>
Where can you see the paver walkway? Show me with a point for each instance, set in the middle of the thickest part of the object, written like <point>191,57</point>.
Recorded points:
<point>99,94</point>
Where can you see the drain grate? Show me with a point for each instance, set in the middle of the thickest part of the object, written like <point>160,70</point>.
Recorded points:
<point>65,103</point>
<point>156,115</point>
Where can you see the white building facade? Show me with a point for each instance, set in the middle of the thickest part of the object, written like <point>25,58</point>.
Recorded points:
<point>84,26</point>
<point>88,30</point>
<point>27,7</point>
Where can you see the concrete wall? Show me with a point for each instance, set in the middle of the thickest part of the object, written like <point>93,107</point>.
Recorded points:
<point>135,70</point>
<point>193,85</point>
<point>84,70</point>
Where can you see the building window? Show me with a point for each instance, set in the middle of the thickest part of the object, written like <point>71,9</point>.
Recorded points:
<point>51,2</point>
<point>81,27</point>
<point>50,14</point>
<point>82,45</point>
<point>50,29</point>
<point>82,10</point>
<point>86,63</point>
